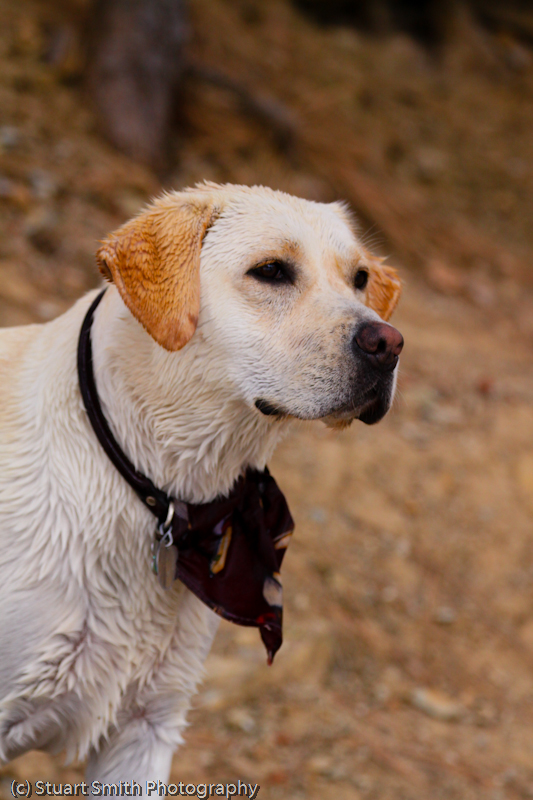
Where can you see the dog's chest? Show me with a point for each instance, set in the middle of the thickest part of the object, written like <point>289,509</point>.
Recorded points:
<point>97,621</point>
<point>141,626</point>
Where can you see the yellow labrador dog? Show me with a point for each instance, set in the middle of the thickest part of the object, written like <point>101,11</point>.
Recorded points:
<point>230,311</point>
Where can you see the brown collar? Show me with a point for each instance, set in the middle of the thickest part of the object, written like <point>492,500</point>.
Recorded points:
<point>227,552</point>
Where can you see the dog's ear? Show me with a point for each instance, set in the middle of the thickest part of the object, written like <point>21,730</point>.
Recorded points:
<point>384,289</point>
<point>154,261</point>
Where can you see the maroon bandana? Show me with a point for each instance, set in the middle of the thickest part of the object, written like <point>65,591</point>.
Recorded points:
<point>227,552</point>
<point>230,553</point>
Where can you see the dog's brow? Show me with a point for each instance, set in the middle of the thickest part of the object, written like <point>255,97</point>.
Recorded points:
<point>288,250</point>
<point>290,247</point>
<point>347,263</point>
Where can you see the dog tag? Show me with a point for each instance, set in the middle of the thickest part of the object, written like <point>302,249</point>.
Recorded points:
<point>166,559</point>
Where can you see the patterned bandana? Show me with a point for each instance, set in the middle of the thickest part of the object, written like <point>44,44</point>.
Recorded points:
<point>227,552</point>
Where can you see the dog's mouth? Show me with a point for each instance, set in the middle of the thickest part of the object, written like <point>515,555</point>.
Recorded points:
<point>375,410</point>
<point>370,410</point>
<point>270,410</point>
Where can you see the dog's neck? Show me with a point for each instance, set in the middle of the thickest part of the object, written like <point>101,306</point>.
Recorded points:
<point>176,415</point>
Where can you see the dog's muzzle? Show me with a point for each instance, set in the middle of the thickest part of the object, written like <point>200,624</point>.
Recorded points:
<point>376,347</point>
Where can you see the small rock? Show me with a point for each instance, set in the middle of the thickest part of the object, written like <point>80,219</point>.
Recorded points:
<point>241,719</point>
<point>320,764</point>
<point>207,758</point>
<point>403,545</point>
<point>43,184</point>
<point>485,714</point>
<point>213,699</point>
<point>9,137</point>
<point>431,163</point>
<point>382,693</point>
<point>317,514</point>
<point>445,615</point>
<point>389,594</point>
<point>392,683</point>
<point>437,705</point>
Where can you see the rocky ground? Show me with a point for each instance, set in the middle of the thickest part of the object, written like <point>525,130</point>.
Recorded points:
<point>407,667</point>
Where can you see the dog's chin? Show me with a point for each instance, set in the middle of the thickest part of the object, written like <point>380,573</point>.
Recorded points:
<point>369,413</point>
<point>375,411</point>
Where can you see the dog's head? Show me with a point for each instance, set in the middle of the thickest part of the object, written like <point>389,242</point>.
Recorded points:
<point>290,302</point>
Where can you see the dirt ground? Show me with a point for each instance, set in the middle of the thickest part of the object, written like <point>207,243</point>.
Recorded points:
<point>407,667</point>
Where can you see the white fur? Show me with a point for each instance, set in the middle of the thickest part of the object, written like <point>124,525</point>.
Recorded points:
<point>95,656</point>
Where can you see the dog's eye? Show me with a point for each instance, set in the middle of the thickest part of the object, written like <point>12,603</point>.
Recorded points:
<point>361,279</point>
<point>272,271</point>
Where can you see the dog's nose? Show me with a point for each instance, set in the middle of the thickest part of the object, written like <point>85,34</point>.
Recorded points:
<point>381,342</point>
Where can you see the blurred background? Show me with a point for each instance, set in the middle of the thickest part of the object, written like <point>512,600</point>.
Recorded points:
<point>407,667</point>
